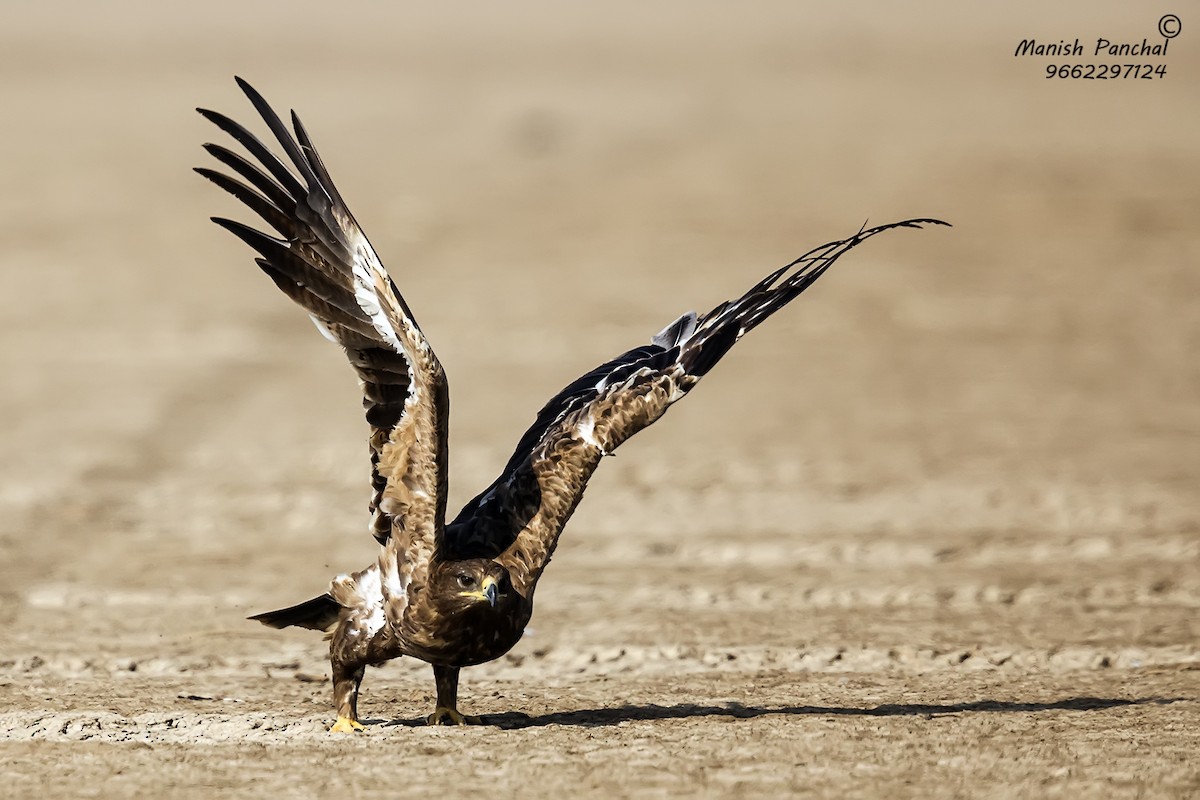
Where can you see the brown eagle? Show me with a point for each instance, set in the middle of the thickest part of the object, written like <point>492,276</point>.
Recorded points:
<point>460,593</point>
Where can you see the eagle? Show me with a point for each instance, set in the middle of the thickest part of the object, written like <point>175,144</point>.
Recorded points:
<point>459,593</point>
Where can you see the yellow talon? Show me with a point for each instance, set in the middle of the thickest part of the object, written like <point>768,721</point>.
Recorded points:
<point>347,725</point>
<point>450,716</point>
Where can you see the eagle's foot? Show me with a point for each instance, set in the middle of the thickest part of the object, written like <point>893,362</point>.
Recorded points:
<point>450,716</point>
<point>347,725</point>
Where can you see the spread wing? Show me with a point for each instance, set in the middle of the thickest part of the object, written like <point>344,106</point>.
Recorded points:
<point>323,261</point>
<point>518,519</point>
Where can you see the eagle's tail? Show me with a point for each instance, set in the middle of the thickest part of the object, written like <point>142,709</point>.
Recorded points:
<point>319,614</point>
<point>712,335</point>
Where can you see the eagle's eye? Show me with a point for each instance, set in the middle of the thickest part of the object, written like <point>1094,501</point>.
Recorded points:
<point>466,581</point>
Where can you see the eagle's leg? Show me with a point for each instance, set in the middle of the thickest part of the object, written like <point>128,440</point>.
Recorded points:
<point>346,679</point>
<point>446,712</point>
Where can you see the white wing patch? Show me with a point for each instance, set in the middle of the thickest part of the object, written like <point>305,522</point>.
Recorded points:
<point>367,297</point>
<point>371,590</point>
<point>368,301</point>
<point>587,432</point>
<point>324,329</point>
<point>395,586</point>
<point>376,621</point>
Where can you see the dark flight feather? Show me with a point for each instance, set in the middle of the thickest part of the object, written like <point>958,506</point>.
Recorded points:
<point>524,509</point>
<point>326,265</point>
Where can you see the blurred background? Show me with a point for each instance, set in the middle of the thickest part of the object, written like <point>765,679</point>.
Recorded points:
<point>1005,406</point>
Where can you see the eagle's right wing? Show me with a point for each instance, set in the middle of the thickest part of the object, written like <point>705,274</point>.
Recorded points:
<point>325,264</point>
<point>518,519</point>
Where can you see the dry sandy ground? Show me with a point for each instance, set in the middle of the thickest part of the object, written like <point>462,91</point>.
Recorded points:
<point>933,532</point>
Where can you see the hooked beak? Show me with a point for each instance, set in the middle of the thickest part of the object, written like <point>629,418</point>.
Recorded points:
<point>489,591</point>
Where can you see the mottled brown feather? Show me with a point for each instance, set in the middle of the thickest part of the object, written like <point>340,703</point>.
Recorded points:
<point>326,265</point>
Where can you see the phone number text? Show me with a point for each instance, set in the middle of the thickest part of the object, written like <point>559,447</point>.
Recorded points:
<point>1107,72</point>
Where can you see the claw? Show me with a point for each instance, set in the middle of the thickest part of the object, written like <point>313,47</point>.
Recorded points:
<point>450,716</point>
<point>347,725</point>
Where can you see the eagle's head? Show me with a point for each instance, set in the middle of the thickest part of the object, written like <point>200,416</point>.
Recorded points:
<point>474,583</point>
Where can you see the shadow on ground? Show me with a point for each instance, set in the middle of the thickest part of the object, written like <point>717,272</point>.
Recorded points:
<point>600,717</point>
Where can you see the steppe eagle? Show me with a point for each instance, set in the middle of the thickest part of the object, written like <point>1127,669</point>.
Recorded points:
<point>460,593</point>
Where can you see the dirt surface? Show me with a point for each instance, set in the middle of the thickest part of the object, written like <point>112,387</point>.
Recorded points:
<point>933,532</point>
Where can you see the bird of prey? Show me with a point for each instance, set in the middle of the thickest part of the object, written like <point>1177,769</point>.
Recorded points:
<point>458,593</point>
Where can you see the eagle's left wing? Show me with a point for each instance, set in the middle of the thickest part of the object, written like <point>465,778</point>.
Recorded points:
<point>518,519</point>
<point>326,265</point>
